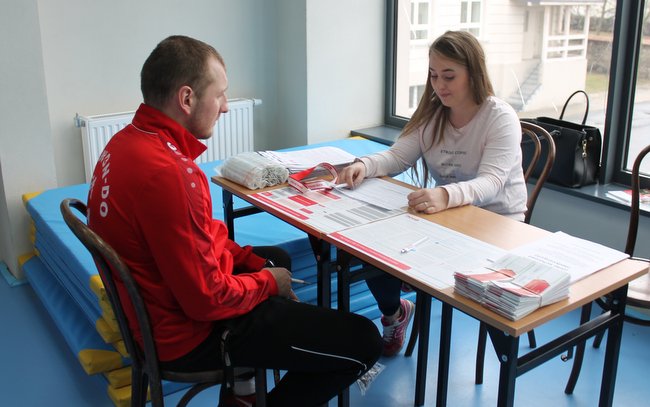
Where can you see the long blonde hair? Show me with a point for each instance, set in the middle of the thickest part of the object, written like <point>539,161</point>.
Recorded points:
<point>462,48</point>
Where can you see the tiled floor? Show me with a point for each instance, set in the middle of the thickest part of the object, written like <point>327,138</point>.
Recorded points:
<point>38,369</point>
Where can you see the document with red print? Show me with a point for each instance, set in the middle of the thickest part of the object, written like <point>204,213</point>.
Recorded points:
<point>331,210</point>
<point>532,285</point>
<point>535,274</point>
<point>420,248</point>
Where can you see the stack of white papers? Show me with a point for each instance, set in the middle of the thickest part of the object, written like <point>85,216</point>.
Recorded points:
<point>514,286</point>
<point>299,160</point>
<point>626,198</point>
<point>534,275</point>
<point>533,285</point>
<point>473,284</point>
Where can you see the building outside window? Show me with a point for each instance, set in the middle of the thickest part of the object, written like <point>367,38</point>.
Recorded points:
<point>470,17</point>
<point>538,53</point>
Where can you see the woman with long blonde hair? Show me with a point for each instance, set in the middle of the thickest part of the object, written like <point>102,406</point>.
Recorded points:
<point>469,143</point>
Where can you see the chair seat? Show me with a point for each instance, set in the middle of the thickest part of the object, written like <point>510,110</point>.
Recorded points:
<point>638,292</point>
<point>216,376</point>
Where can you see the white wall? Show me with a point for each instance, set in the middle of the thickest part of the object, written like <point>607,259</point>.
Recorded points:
<point>316,65</point>
<point>345,66</point>
<point>26,159</point>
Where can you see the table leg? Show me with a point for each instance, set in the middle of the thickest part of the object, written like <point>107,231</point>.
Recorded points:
<point>343,303</point>
<point>423,304</point>
<point>612,351</point>
<point>228,214</point>
<point>343,279</point>
<point>507,348</point>
<point>322,252</point>
<point>444,353</point>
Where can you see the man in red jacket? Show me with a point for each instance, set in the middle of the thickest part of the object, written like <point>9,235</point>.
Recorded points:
<point>151,202</point>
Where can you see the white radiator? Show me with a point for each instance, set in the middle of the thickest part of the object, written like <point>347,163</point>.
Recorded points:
<point>233,133</point>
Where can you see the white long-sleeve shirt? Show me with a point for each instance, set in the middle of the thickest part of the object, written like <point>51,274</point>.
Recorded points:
<point>478,164</point>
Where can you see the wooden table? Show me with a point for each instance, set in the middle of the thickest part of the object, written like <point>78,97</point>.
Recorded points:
<point>499,231</point>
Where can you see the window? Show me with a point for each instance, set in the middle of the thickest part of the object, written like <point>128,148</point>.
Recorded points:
<point>470,17</point>
<point>537,56</point>
<point>419,20</point>
<point>415,93</point>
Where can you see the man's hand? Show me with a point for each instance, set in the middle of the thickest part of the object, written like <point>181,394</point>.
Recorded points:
<point>282,278</point>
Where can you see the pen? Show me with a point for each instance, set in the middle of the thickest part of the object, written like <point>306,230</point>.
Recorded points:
<point>411,247</point>
<point>299,281</point>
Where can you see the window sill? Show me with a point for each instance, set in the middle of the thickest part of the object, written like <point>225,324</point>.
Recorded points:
<point>595,193</point>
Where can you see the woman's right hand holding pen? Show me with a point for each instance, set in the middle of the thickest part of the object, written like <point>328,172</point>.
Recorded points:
<point>352,175</point>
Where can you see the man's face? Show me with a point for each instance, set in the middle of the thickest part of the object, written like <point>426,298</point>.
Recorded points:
<point>212,103</point>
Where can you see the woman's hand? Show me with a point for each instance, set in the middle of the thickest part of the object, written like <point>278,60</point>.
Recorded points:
<point>429,200</point>
<point>352,175</point>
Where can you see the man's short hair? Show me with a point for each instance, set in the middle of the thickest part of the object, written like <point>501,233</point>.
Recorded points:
<point>175,62</point>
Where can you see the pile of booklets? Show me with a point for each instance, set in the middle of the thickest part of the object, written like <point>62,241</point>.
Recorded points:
<point>260,169</point>
<point>514,286</point>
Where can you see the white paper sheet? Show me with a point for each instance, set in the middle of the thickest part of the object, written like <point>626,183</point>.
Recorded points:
<point>433,261</point>
<point>302,159</point>
<point>327,211</point>
<point>379,192</point>
<point>578,257</point>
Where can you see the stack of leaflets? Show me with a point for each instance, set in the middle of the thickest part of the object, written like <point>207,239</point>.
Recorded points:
<point>474,284</point>
<point>625,196</point>
<point>299,160</point>
<point>514,286</point>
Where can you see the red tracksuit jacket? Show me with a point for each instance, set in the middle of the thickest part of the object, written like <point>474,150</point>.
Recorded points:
<point>151,203</point>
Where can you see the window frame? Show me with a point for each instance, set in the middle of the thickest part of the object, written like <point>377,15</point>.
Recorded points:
<point>620,99</point>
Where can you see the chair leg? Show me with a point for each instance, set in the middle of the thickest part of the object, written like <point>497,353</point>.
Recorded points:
<point>260,387</point>
<point>138,388</point>
<point>193,391</point>
<point>531,339</point>
<point>480,353</point>
<point>155,390</point>
<point>579,353</point>
<point>414,334</point>
<point>598,339</point>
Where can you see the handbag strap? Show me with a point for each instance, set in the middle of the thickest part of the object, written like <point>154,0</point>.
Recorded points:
<point>584,119</point>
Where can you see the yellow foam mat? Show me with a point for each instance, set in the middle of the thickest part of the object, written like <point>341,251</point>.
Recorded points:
<point>119,377</point>
<point>121,348</point>
<point>106,331</point>
<point>26,197</point>
<point>23,258</point>
<point>121,396</point>
<point>97,361</point>
<point>97,287</point>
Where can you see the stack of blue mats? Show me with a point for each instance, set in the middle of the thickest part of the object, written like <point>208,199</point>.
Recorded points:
<point>65,278</point>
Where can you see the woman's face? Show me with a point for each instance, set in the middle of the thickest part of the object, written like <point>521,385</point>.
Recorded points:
<point>450,81</point>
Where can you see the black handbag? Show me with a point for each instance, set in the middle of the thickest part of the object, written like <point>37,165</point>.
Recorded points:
<point>578,149</point>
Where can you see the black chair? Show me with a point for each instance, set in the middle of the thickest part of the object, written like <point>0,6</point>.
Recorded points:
<point>535,142</point>
<point>638,292</point>
<point>145,370</point>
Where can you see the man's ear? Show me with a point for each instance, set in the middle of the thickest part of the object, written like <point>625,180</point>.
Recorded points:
<point>185,97</point>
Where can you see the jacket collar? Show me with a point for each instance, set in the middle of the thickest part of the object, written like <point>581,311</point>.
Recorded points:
<point>150,119</point>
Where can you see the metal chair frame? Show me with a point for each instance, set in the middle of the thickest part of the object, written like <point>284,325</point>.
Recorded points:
<point>638,294</point>
<point>145,369</point>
